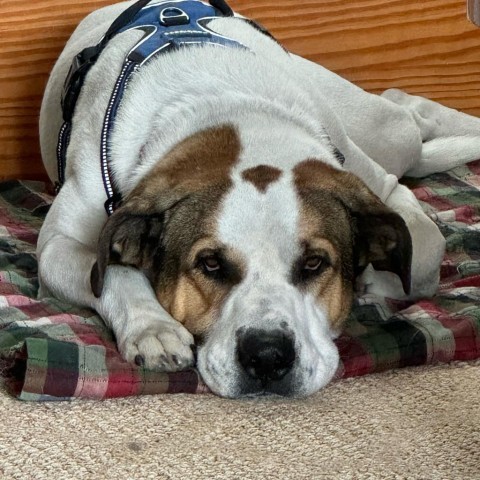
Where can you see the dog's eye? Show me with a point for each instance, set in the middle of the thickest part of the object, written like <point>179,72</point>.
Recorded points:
<point>211,263</point>
<point>216,267</point>
<point>310,266</point>
<point>313,263</point>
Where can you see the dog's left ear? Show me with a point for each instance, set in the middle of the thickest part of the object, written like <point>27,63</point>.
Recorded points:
<point>381,236</point>
<point>128,238</point>
<point>382,239</point>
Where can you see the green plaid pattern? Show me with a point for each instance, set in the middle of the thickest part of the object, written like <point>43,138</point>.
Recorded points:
<point>50,350</point>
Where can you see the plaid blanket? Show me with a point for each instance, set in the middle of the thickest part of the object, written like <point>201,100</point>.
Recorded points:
<point>50,350</point>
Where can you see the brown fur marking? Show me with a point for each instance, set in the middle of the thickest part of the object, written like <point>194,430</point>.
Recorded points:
<point>262,176</point>
<point>204,159</point>
<point>324,226</point>
<point>341,207</point>
<point>194,299</point>
<point>188,184</point>
<point>325,192</point>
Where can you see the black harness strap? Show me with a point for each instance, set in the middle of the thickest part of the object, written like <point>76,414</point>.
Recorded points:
<point>79,68</point>
<point>190,28</point>
<point>83,61</point>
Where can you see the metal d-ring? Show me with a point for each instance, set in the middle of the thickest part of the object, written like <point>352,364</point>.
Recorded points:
<point>173,16</point>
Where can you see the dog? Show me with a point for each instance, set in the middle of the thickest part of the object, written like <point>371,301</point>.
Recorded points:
<point>235,198</point>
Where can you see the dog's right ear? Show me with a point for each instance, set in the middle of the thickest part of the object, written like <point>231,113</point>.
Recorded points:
<point>127,238</point>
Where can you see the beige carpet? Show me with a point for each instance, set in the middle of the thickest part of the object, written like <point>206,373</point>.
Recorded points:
<point>418,423</point>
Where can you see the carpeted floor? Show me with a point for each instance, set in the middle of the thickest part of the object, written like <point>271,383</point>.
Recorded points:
<point>417,423</point>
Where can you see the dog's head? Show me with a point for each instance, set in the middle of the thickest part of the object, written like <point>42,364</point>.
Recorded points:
<point>258,263</point>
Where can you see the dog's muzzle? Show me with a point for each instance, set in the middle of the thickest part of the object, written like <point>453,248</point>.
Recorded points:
<point>268,341</point>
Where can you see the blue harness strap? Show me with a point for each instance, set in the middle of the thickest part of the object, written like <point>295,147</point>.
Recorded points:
<point>167,25</point>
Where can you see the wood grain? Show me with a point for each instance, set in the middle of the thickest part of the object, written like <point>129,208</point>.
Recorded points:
<point>426,47</point>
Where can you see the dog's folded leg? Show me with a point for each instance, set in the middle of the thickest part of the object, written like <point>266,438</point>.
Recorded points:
<point>433,119</point>
<point>146,334</point>
<point>450,138</point>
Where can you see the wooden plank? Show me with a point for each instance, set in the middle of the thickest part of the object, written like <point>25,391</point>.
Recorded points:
<point>426,47</point>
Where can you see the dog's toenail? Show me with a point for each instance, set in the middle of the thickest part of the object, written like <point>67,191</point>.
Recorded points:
<point>139,360</point>
<point>176,360</point>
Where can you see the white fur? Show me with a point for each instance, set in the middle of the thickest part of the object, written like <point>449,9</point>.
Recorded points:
<point>285,109</point>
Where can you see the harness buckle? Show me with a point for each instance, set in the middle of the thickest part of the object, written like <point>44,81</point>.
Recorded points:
<point>73,83</point>
<point>172,16</point>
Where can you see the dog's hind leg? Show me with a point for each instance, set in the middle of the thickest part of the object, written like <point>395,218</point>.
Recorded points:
<point>449,138</point>
<point>433,119</point>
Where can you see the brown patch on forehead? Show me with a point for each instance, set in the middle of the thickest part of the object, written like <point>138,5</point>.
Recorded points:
<point>262,176</point>
<point>316,174</point>
<point>312,171</point>
<point>203,159</point>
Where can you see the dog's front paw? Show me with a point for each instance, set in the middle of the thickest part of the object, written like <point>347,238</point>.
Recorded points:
<point>166,346</point>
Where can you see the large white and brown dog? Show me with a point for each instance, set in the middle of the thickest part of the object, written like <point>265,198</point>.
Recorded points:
<point>258,188</point>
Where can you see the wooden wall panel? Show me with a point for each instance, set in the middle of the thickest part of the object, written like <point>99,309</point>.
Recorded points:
<point>426,47</point>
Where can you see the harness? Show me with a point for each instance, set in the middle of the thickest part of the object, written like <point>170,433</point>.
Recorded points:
<point>167,25</point>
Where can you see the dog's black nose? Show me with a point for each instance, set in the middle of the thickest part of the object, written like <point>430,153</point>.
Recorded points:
<point>266,355</point>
